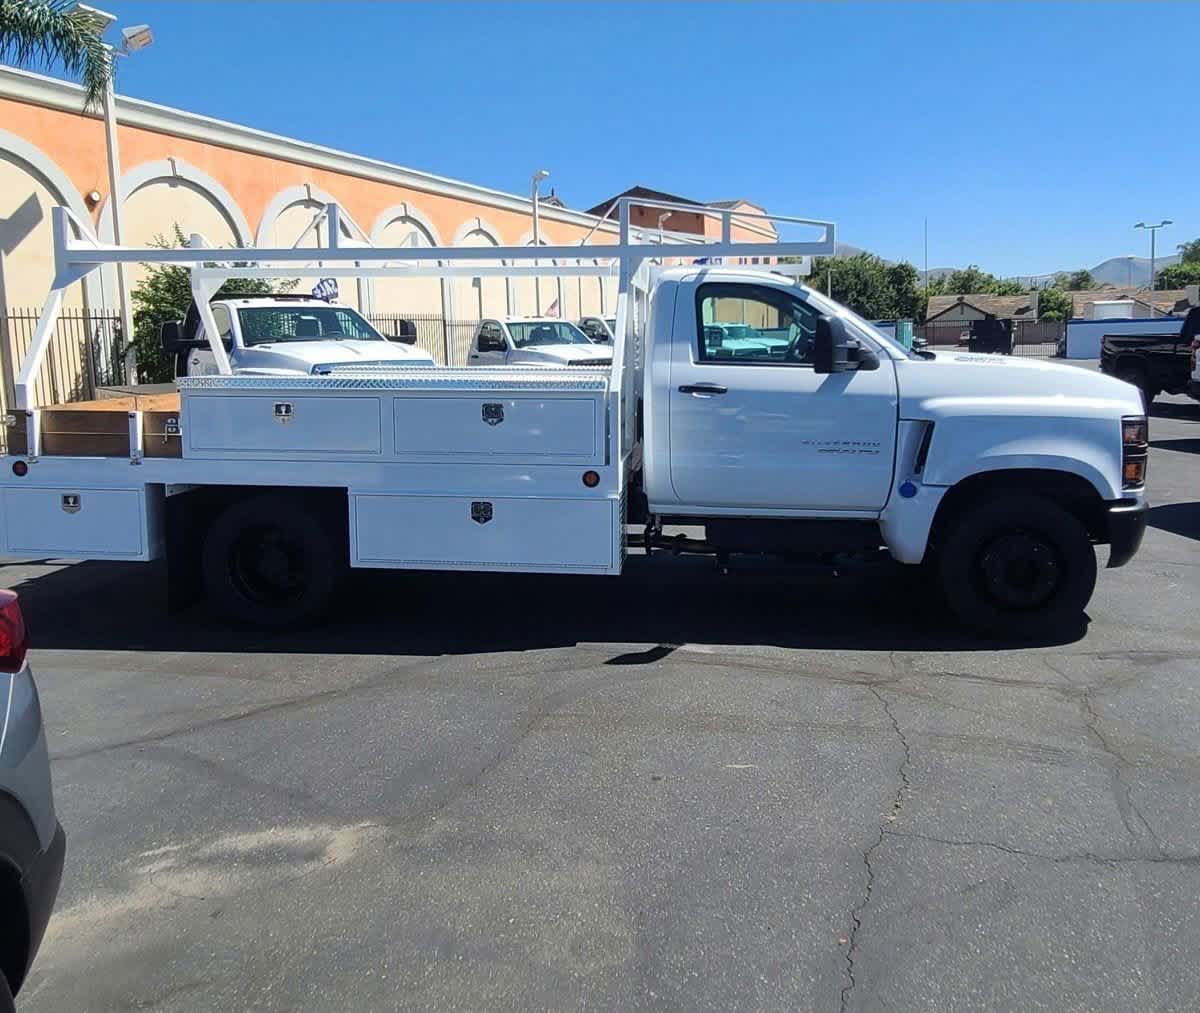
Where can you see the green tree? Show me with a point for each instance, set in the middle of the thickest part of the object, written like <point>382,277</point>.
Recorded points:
<point>1186,272</point>
<point>972,279</point>
<point>1075,281</point>
<point>164,293</point>
<point>48,33</point>
<point>1189,253</point>
<point>868,285</point>
<point>1054,304</point>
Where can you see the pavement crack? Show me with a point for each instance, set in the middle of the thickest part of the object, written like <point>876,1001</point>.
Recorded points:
<point>1081,856</point>
<point>1118,764</point>
<point>903,787</point>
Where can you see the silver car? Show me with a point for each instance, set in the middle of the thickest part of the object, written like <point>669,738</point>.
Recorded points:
<point>32,843</point>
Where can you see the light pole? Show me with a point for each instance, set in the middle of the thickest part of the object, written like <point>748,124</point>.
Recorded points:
<point>537,237</point>
<point>134,38</point>
<point>1152,229</point>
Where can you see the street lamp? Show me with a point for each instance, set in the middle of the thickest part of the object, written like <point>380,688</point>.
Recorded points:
<point>133,38</point>
<point>537,238</point>
<point>1152,229</point>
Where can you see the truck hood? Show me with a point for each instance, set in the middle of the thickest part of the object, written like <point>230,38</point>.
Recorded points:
<point>305,356</point>
<point>560,355</point>
<point>963,383</point>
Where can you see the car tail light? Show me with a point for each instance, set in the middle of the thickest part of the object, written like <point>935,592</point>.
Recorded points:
<point>1135,449</point>
<point>14,637</point>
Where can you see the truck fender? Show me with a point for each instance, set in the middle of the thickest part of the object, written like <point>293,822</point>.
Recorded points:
<point>907,520</point>
<point>1089,448</point>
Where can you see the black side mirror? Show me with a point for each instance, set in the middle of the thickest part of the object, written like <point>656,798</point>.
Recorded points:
<point>171,336</point>
<point>404,332</point>
<point>490,343</point>
<point>832,346</point>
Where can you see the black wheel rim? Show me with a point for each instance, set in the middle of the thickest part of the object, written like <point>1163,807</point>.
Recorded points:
<point>268,565</point>
<point>1020,570</point>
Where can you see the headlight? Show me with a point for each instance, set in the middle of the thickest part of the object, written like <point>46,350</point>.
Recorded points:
<point>1135,449</point>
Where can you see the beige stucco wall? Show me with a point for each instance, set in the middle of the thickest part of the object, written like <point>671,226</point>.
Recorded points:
<point>417,296</point>
<point>152,211</point>
<point>26,270</point>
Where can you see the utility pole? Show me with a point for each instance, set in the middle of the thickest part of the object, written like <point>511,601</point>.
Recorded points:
<point>1152,229</point>
<point>537,238</point>
<point>926,255</point>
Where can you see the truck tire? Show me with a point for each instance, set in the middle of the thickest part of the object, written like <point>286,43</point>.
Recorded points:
<point>1136,375</point>
<point>1017,565</point>
<point>273,561</point>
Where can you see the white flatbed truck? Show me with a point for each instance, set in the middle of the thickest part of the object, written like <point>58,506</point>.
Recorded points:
<point>997,474</point>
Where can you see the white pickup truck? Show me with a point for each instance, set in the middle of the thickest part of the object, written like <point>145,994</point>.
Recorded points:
<point>534,341</point>
<point>814,435</point>
<point>283,334</point>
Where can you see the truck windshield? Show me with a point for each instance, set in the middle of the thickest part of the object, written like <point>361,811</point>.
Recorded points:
<point>827,306</point>
<point>546,332</point>
<point>263,325</point>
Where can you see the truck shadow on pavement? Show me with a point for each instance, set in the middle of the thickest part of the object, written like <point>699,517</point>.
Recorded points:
<point>1182,446</point>
<point>1187,411</point>
<point>120,606</point>
<point>1178,518</point>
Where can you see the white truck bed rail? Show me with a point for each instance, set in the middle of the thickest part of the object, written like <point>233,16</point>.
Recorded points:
<point>78,252</point>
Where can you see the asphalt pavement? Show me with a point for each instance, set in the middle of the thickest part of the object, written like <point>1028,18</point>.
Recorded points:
<point>673,790</point>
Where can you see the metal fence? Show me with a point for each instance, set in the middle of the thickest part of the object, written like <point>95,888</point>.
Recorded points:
<point>87,352</point>
<point>446,340</point>
<point>1039,339</point>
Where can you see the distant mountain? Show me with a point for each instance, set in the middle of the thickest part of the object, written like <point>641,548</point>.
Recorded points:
<point>1130,270</point>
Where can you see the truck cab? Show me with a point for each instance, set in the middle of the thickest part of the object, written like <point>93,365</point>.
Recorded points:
<point>997,472</point>
<point>283,334</point>
<point>534,341</point>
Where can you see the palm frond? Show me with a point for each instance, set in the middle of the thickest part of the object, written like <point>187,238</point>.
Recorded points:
<point>56,33</point>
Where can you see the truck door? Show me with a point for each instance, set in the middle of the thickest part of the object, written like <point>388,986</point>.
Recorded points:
<point>490,347</point>
<point>201,361</point>
<point>753,427</point>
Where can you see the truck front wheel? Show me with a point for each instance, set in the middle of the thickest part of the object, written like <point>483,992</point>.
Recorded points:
<point>1016,565</point>
<point>273,561</point>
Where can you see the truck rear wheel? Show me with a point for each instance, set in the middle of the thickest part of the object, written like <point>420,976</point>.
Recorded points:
<point>1017,565</point>
<point>272,560</point>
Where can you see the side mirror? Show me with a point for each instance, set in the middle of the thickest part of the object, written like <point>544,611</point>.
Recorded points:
<point>404,332</point>
<point>488,343</point>
<point>171,336</point>
<point>831,346</point>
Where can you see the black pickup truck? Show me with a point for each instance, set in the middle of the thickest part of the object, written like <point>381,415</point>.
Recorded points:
<point>1156,363</point>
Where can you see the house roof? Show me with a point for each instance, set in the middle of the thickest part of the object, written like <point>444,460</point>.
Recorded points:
<point>726,204</point>
<point>1015,307</point>
<point>605,207</point>
<point>1168,300</point>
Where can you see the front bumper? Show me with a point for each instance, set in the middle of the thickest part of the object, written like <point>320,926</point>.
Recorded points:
<point>40,886</point>
<point>1126,520</point>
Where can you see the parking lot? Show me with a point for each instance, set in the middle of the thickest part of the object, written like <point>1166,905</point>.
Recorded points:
<point>684,791</point>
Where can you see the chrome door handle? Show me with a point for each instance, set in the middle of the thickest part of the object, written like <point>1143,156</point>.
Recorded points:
<point>703,388</point>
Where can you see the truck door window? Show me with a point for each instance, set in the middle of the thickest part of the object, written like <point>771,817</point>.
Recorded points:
<point>753,325</point>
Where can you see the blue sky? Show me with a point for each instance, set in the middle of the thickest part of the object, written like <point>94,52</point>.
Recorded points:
<point>1032,136</point>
